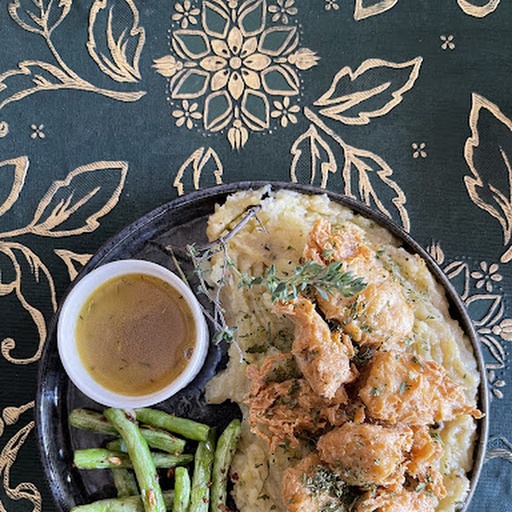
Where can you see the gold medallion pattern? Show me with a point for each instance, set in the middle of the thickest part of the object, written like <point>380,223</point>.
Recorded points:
<point>235,64</point>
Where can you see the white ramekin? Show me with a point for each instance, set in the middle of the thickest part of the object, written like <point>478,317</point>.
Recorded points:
<point>66,334</point>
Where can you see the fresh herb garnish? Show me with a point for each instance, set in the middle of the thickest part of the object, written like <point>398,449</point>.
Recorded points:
<point>325,482</point>
<point>324,279</point>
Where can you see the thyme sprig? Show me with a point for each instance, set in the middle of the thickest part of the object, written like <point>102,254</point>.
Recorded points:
<point>324,279</point>
<point>200,256</point>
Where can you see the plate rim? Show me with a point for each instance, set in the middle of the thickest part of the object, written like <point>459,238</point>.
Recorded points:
<point>215,192</point>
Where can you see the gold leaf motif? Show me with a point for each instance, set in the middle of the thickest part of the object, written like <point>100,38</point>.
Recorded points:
<point>249,11</point>
<point>87,194</point>
<point>40,76</point>
<point>459,274</point>
<point>365,9</point>
<point>367,177</point>
<point>312,153</point>
<point>489,157</point>
<point>375,88</point>
<point>31,76</point>
<point>201,161</point>
<point>485,308</point>
<point>478,11</point>
<point>27,264</point>
<point>71,259</point>
<point>120,52</point>
<point>41,17</point>
<point>218,11</point>
<point>18,168</point>
<point>23,490</point>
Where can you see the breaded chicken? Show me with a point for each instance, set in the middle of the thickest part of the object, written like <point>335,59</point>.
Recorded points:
<point>402,501</point>
<point>378,315</point>
<point>300,487</point>
<point>279,411</point>
<point>425,461</point>
<point>364,454</point>
<point>401,388</point>
<point>322,356</point>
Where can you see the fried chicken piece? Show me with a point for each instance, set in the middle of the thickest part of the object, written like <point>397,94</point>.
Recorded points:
<point>401,388</point>
<point>322,356</point>
<point>281,410</point>
<point>402,500</point>
<point>378,315</point>
<point>298,490</point>
<point>425,461</point>
<point>364,454</point>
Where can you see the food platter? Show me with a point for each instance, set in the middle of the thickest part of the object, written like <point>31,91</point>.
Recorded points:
<point>179,223</point>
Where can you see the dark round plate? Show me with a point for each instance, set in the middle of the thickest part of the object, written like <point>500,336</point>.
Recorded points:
<point>178,223</point>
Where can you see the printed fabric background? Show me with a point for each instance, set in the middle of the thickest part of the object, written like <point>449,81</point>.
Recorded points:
<point>109,108</point>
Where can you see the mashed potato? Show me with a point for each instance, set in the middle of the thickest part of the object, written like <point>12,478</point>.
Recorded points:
<point>278,237</point>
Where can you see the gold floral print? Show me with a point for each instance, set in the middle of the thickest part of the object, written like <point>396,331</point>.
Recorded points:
<point>187,114</point>
<point>43,18</point>
<point>70,207</point>
<point>499,448</point>
<point>354,98</point>
<point>185,14</point>
<point>73,261</point>
<point>286,112</point>
<point>419,150</point>
<point>364,175</point>
<point>490,186</point>
<point>477,10</point>
<point>235,64</point>
<point>282,10</point>
<point>9,454</point>
<point>37,131</point>
<point>375,79</point>
<point>362,11</point>
<point>486,307</point>
<point>201,163</point>
<point>331,5</point>
<point>487,276</point>
<point>447,42</point>
<point>119,56</point>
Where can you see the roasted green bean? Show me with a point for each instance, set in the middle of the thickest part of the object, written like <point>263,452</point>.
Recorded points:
<point>127,504</point>
<point>181,490</point>
<point>140,456</point>
<point>96,422</point>
<point>187,428</point>
<point>226,447</point>
<point>104,458</point>
<point>125,482</point>
<point>201,479</point>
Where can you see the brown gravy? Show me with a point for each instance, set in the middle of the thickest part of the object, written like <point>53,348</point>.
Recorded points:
<point>135,334</point>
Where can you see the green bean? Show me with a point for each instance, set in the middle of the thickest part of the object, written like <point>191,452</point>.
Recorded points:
<point>127,504</point>
<point>201,479</point>
<point>181,490</point>
<point>125,482</point>
<point>101,458</point>
<point>157,439</point>
<point>140,456</point>
<point>187,428</point>
<point>226,447</point>
<point>93,421</point>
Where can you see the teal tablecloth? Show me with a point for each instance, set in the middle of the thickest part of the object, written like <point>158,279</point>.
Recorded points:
<point>109,108</point>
